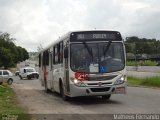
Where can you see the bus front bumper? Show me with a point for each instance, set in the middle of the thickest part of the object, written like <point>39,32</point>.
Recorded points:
<point>76,91</point>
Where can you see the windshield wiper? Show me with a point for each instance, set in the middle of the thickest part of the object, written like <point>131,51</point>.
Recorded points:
<point>107,48</point>
<point>89,50</point>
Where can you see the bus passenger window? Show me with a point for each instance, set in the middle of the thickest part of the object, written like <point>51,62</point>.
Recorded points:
<point>58,46</point>
<point>61,52</point>
<point>39,60</point>
<point>47,57</point>
<point>53,55</point>
<point>56,54</point>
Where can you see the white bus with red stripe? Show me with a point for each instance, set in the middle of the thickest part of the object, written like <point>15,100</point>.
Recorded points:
<point>84,63</point>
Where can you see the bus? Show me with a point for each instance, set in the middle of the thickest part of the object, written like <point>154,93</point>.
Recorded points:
<point>84,63</point>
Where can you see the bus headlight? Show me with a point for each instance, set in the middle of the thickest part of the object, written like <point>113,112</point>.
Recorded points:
<point>78,82</point>
<point>121,80</point>
<point>75,81</point>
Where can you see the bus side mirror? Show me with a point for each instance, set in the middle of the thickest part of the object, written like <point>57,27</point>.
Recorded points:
<point>66,52</point>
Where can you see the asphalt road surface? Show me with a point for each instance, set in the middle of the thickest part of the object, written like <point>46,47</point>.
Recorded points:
<point>33,98</point>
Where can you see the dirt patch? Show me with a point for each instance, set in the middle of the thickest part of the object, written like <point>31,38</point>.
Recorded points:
<point>36,101</point>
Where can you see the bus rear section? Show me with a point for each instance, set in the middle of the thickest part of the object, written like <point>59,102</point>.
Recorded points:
<point>93,65</point>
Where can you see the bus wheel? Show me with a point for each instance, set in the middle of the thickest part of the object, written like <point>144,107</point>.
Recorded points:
<point>106,97</point>
<point>62,92</point>
<point>1,83</point>
<point>46,88</point>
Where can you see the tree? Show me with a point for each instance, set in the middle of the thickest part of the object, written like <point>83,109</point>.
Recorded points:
<point>9,52</point>
<point>6,58</point>
<point>140,46</point>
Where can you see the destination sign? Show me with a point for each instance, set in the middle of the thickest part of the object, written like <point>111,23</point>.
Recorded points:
<point>95,36</point>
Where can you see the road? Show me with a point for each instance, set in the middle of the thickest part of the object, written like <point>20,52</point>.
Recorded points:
<point>33,98</point>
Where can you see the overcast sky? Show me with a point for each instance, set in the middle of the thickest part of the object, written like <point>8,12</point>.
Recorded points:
<point>35,22</point>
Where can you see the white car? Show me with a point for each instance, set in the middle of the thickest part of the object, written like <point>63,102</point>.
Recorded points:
<point>28,72</point>
<point>6,76</point>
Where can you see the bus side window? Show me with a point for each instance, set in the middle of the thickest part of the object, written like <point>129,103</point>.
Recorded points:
<point>56,54</point>
<point>47,57</point>
<point>53,55</point>
<point>43,58</point>
<point>39,60</point>
<point>61,52</point>
<point>58,46</point>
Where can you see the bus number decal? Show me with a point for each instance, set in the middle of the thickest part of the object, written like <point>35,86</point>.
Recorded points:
<point>81,76</point>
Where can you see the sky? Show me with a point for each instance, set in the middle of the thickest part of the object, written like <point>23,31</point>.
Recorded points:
<point>40,22</point>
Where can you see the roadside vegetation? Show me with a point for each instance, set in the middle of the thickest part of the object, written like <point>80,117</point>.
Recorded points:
<point>8,105</point>
<point>150,82</point>
<point>10,54</point>
<point>142,63</point>
<point>144,50</point>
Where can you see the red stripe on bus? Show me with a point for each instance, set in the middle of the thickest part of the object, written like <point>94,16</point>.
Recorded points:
<point>45,73</point>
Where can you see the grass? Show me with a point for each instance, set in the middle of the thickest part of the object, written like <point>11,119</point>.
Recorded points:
<point>142,63</point>
<point>8,105</point>
<point>132,63</point>
<point>151,82</point>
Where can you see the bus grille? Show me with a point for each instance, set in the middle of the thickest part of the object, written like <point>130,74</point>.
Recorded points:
<point>100,89</point>
<point>97,84</point>
<point>101,78</point>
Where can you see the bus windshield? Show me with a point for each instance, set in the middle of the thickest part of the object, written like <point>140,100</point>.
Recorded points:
<point>101,57</point>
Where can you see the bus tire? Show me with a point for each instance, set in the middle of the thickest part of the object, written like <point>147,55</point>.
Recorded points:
<point>106,97</point>
<point>1,83</point>
<point>46,88</point>
<point>10,81</point>
<point>65,98</point>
